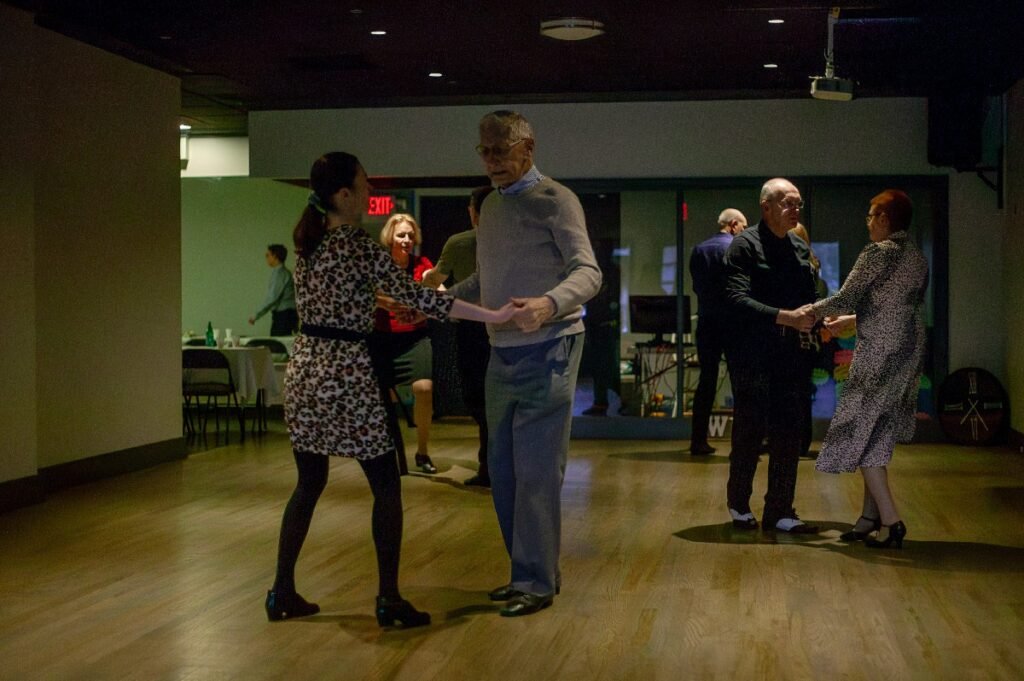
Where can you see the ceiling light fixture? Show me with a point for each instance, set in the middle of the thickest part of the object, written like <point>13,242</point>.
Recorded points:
<point>776,21</point>
<point>829,86</point>
<point>378,32</point>
<point>435,74</point>
<point>771,66</point>
<point>571,28</point>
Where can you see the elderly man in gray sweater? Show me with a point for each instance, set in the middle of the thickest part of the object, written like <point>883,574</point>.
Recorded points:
<point>532,247</point>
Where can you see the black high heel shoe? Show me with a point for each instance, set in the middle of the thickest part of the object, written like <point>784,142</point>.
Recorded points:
<point>390,610</point>
<point>282,607</point>
<point>856,535</point>
<point>424,463</point>
<point>897,531</point>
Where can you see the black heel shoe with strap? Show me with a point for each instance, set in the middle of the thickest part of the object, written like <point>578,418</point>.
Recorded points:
<point>424,463</point>
<point>897,531</point>
<point>282,606</point>
<point>856,535</point>
<point>390,610</point>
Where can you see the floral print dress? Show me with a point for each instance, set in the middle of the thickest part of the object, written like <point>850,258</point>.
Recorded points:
<point>876,407</point>
<point>332,399</point>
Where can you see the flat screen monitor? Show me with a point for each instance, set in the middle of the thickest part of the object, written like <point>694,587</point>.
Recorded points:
<point>657,315</point>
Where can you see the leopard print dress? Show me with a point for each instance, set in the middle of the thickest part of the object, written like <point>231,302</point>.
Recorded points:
<point>332,400</point>
<point>876,407</point>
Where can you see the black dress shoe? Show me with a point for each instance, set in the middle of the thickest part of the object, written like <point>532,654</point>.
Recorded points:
<point>288,606</point>
<point>390,610</point>
<point>701,448</point>
<point>856,535</point>
<point>897,531</point>
<point>478,481</point>
<point>526,604</point>
<point>424,463</point>
<point>504,593</point>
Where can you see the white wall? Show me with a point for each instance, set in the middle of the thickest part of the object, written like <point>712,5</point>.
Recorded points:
<point>91,216</point>
<point>620,140</point>
<point>217,157</point>
<point>18,447</point>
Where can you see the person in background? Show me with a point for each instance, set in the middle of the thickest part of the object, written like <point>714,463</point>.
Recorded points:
<point>885,291</point>
<point>769,286</point>
<point>280,298</point>
<point>457,262</point>
<point>333,401</point>
<point>532,246</point>
<point>813,341</point>
<point>707,270</point>
<point>407,337</point>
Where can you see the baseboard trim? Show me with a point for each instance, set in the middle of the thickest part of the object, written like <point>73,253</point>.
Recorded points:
<point>21,492</point>
<point>1015,439</point>
<point>115,463</point>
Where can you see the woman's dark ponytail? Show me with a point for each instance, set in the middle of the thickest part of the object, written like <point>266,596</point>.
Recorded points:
<point>330,173</point>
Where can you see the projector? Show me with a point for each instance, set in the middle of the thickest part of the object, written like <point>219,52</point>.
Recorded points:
<point>834,89</point>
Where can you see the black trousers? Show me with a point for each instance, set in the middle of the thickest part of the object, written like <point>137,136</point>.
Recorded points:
<point>711,337</point>
<point>473,353</point>
<point>770,401</point>
<point>284,322</point>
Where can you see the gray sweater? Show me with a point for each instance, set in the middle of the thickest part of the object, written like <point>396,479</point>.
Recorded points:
<point>529,245</point>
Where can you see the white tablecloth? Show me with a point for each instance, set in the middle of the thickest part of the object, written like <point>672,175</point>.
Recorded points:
<point>252,370</point>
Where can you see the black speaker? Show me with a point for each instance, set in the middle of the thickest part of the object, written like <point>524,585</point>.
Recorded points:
<point>955,129</point>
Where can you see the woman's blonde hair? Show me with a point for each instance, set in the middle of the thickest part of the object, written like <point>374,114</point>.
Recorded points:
<point>387,233</point>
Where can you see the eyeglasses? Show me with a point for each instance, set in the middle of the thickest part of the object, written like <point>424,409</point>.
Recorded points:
<point>789,204</point>
<point>496,152</point>
<point>867,218</point>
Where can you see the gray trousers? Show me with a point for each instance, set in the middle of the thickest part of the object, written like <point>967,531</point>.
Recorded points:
<point>530,391</point>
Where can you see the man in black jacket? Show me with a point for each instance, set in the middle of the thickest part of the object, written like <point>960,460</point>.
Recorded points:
<point>769,286</point>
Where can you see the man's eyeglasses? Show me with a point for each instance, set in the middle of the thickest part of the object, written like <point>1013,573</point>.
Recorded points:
<point>867,218</point>
<point>496,152</point>
<point>790,204</point>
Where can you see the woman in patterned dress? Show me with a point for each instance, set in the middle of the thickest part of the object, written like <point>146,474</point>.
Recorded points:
<point>332,399</point>
<point>885,294</point>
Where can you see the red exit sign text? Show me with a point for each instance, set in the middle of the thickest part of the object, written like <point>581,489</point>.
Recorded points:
<point>381,205</point>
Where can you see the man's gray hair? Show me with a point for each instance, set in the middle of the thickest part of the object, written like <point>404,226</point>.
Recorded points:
<point>730,214</point>
<point>511,126</point>
<point>775,189</point>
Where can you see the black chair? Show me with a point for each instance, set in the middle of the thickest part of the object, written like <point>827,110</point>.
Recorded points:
<point>276,347</point>
<point>205,372</point>
<point>195,342</point>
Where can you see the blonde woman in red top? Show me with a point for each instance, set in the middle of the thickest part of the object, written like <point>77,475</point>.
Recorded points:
<point>405,332</point>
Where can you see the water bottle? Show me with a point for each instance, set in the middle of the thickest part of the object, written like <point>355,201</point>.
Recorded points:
<point>211,342</point>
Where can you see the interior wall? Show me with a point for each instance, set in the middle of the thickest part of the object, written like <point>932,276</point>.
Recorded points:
<point>1012,289</point>
<point>613,140</point>
<point>226,226</point>
<point>18,447</point>
<point>107,252</point>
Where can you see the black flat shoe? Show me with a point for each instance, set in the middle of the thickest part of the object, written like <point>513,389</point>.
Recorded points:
<point>282,607</point>
<point>701,449</point>
<point>526,604</point>
<point>477,481</point>
<point>391,610</point>
<point>897,531</point>
<point>856,535</point>
<point>424,463</point>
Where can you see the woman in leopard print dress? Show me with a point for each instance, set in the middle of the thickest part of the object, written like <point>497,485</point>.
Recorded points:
<point>332,399</point>
<point>885,292</point>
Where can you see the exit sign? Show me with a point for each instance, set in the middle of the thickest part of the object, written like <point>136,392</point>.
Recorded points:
<point>381,205</point>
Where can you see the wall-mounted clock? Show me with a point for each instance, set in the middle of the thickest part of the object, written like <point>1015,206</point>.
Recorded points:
<point>973,407</point>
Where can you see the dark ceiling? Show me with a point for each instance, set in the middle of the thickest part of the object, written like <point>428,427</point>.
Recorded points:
<point>235,56</point>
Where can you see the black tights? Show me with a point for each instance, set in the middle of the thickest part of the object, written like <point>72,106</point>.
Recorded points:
<point>382,474</point>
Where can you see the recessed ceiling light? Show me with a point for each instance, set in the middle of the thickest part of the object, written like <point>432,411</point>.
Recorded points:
<point>776,21</point>
<point>356,11</point>
<point>165,37</point>
<point>571,28</point>
<point>771,66</point>
<point>378,32</point>
<point>184,126</point>
<point>435,74</point>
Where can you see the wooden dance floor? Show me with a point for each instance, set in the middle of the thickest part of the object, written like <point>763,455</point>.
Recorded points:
<point>161,574</point>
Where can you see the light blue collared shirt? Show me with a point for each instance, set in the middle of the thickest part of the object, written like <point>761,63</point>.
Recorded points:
<point>531,178</point>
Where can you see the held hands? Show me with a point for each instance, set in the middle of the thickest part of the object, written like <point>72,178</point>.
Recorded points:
<point>504,313</point>
<point>531,313</point>
<point>801,319</point>
<point>841,325</point>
